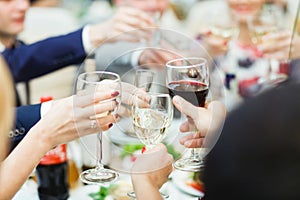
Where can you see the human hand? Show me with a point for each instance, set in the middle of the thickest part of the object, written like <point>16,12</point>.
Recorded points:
<point>276,45</point>
<point>214,45</point>
<point>151,168</point>
<point>125,20</point>
<point>206,120</point>
<point>129,92</point>
<point>70,118</point>
<point>155,58</point>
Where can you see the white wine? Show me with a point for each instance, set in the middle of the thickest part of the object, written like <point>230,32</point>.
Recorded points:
<point>150,125</point>
<point>225,33</point>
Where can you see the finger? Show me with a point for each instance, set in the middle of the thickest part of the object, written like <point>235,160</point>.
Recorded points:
<point>106,120</point>
<point>189,109</point>
<point>86,98</point>
<point>123,111</point>
<point>192,140</point>
<point>134,13</point>
<point>187,126</point>
<point>100,109</point>
<point>282,35</point>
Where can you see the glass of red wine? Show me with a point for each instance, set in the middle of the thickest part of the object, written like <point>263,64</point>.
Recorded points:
<point>189,78</point>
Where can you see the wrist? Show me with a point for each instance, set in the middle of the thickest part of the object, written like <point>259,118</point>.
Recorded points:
<point>97,34</point>
<point>142,180</point>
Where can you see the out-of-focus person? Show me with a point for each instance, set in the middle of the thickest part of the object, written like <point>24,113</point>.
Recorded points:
<point>30,61</point>
<point>248,67</point>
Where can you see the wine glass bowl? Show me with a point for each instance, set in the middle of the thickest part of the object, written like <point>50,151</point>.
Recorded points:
<point>90,82</point>
<point>152,119</point>
<point>269,20</point>
<point>189,78</point>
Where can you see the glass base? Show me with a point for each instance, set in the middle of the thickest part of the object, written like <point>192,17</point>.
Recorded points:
<point>132,195</point>
<point>189,164</point>
<point>99,176</point>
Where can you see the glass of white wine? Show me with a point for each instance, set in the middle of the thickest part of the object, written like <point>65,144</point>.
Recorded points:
<point>269,20</point>
<point>90,82</point>
<point>151,121</point>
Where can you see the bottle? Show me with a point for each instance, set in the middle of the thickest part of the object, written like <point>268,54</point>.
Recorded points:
<point>52,172</point>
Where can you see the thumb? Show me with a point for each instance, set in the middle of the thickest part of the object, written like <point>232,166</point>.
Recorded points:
<point>185,107</point>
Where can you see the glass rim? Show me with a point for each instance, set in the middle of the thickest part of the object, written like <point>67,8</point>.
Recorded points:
<point>80,76</point>
<point>203,61</point>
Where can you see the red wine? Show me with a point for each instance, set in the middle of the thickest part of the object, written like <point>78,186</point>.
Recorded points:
<point>192,91</point>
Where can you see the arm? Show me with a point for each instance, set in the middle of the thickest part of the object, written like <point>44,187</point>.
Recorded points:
<point>150,171</point>
<point>30,61</point>
<point>68,119</point>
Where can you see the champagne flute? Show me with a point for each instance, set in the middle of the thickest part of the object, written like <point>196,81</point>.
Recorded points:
<point>144,79</point>
<point>189,78</point>
<point>151,121</point>
<point>90,82</point>
<point>268,21</point>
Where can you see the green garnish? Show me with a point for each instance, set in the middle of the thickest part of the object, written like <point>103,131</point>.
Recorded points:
<point>101,194</point>
<point>129,149</point>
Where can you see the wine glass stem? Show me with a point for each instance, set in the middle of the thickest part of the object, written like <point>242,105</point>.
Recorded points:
<point>99,151</point>
<point>194,155</point>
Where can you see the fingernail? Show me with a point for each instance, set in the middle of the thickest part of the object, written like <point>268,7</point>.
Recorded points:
<point>115,93</point>
<point>225,43</point>
<point>110,125</point>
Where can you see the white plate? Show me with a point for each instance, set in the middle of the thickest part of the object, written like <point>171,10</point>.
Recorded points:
<point>83,192</point>
<point>180,179</point>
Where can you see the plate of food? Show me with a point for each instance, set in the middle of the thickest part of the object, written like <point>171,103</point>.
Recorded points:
<point>188,182</point>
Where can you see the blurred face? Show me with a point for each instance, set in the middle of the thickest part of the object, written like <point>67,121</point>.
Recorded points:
<point>150,6</point>
<point>12,16</point>
<point>245,8</point>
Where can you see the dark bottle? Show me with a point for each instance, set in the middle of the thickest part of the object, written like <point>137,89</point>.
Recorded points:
<point>52,173</point>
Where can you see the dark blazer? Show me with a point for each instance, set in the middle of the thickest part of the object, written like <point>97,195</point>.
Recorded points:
<point>26,117</point>
<point>29,61</point>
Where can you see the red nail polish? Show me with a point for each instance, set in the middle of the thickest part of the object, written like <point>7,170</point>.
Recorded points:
<point>115,93</point>
<point>110,125</point>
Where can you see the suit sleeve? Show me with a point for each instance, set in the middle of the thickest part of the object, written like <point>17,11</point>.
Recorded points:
<point>37,59</point>
<point>26,118</point>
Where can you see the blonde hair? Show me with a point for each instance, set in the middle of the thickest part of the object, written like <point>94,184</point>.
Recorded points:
<point>7,102</point>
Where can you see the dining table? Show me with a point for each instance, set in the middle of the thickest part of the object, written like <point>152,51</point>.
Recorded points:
<point>177,186</point>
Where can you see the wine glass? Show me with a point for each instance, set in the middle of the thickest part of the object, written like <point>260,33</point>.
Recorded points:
<point>268,21</point>
<point>144,79</point>
<point>151,121</point>
<point>189,78</point>
<point>223,26</point>
<point>90,82</point>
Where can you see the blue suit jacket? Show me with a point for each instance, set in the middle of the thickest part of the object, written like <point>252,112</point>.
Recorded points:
<point>26,117</point>
<point>29,61</point>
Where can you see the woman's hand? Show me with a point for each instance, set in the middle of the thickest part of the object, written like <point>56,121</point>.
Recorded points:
<point>277,45</point>
<point>150,171</point>
<point>72,117</point>
<point>120,27</point>
<point>203,120</point>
